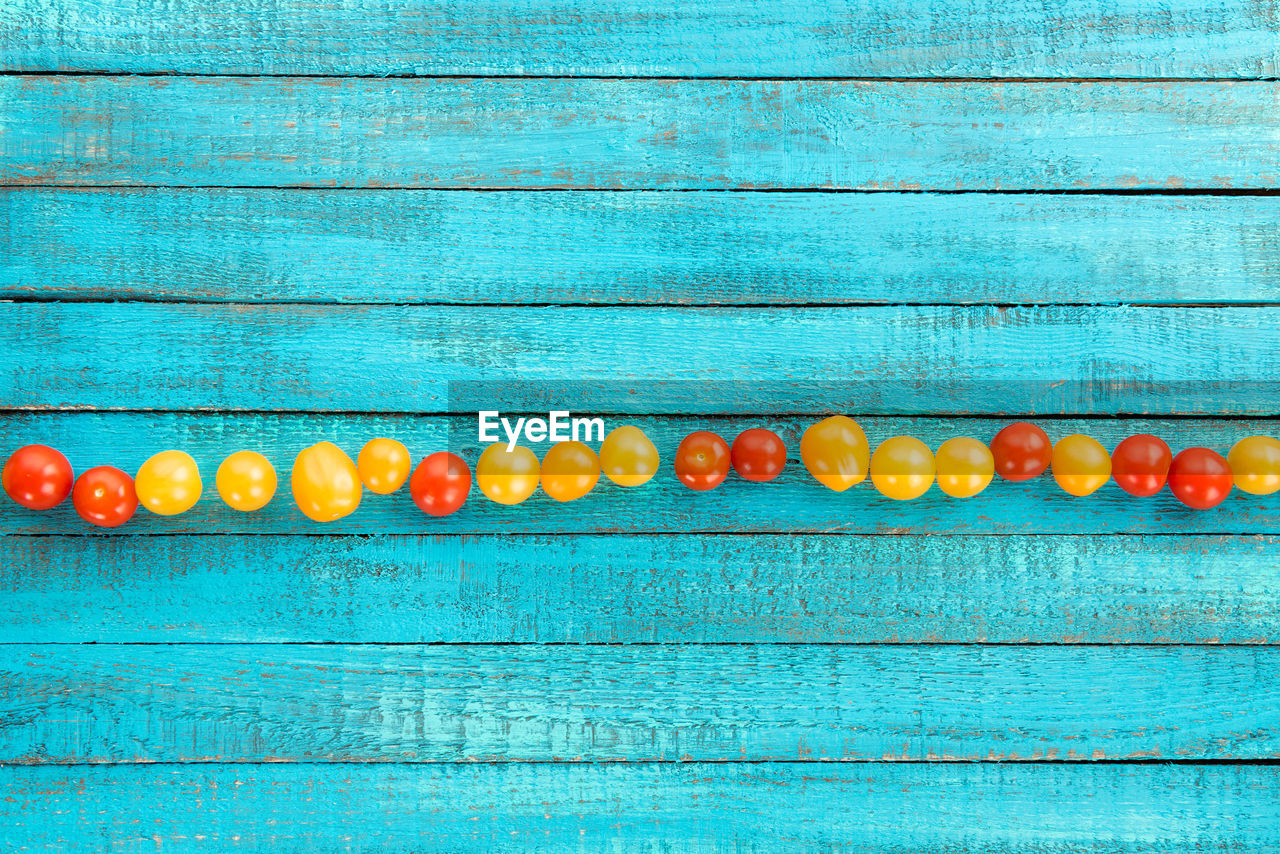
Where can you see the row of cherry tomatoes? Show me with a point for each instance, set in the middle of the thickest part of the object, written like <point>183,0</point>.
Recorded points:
<point>327,485</point>
<point>837,454</point>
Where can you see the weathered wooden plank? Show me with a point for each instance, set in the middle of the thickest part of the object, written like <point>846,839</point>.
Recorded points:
<point>794,502</point>
<point>1183,38</point>
<point>638,134</point>
<point>884,808</point>
<point>891,359</point>
<point>257,703</point>
<point>602,247</point>
<point>640,589</point>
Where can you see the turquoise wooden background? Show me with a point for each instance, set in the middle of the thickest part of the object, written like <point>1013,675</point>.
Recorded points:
<point>271,222</point>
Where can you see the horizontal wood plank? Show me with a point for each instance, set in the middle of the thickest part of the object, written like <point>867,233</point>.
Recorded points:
<point>891,359</point>
<point>702,808</point>
<point>646,247</point>
<point>638,134</point>
<point>644,588</point>
<point>1183,38</point>
<point>794,502</point>
<point>139,703</point>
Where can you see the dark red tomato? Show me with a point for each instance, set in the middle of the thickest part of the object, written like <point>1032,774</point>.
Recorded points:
<point>104,496</point>
<point>37,477</point>
<point>758,454</point>
<point>1140,464</point>
<point>440,484</point>
<point>1021,451</point>
<point>1200,478</point>
<point>702,461</point>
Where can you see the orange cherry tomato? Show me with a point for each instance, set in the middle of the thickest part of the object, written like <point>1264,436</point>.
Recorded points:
<point>1140,464</point>
<point>902,468</point>
<point>384,465</point>
<point>965,467</point>
<point>326,485</point>
<point>1021,451</point>
<point>37,477</point>
<point>104,496</point>
<point>702,460</point>
<point>1200,478</point>
<point>507,477</point>
<point>627,457</point>
<point>440,483</point>
<point>168,483</point>
<point>1255,465</point>
<point>836,453</point>
<point>758,454</point>
<point>1081,465</point>
<point>569,471</point>
<point>246,480</point>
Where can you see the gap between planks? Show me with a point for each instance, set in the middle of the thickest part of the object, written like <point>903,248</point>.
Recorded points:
<point>587,763</point>
<point>876,191</point>
<point>681,644</point>
<point>1003,418</point>
<point>626,306</point>
<point>675,78</point>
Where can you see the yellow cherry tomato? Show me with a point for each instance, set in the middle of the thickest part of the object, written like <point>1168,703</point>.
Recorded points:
<point>168,483</point>
<point>507,477</point>
<point>965,467</point>
<point>1255,464</point>
<point>246,480</point>
<point>1080,464</point>
<point>384,465</point>
<point>902,468</point>
<point>627,457</point>
<point>326,485</point>
<point>569,471</point>
<point>836,453</point>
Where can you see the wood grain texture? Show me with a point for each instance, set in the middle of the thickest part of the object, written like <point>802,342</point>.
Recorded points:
<point>188,703</point>
<point>644,588</point>
<point>980,360</point>
<point>792,503</point>
<point>645,247</point>
<point>1183,38</point>
<point>425,710</point>
<point>886,809</point>
<point>638,134</point>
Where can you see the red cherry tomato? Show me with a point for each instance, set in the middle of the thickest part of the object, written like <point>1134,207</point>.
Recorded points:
<point>1021,451</point>
<point>1200,478</point>
<point>440,484</point>
<point>758,454</point>
<point>1140,465</point>
<point>702,460</point>
<point>104,496</point>
<point>37,477</point>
